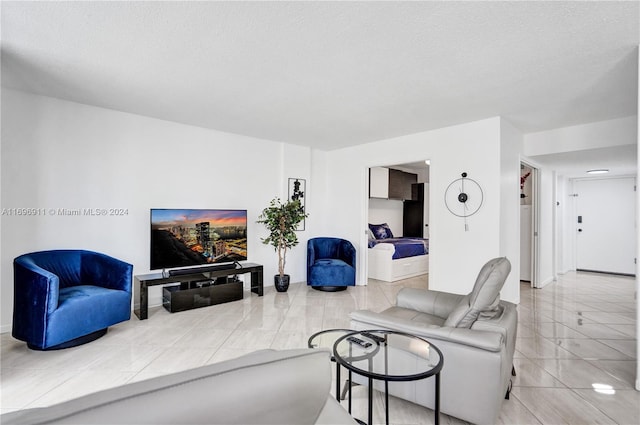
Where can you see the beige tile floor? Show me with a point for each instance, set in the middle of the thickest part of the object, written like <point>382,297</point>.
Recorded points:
<point>573,335</point>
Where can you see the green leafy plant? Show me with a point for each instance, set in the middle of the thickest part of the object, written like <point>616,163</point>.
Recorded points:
<point>282,219</point>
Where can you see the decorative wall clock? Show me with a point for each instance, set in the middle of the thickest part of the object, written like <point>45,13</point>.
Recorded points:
<point>463,198</point>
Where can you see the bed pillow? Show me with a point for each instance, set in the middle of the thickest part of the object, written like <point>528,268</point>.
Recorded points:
<point>381,231</point>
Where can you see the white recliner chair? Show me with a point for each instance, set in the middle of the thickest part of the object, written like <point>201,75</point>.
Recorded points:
<point>476,334</point>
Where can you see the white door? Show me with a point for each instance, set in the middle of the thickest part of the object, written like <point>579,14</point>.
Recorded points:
<point>605,225</point>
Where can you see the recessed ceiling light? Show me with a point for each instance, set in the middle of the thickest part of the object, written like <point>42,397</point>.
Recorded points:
<point>598,171</point>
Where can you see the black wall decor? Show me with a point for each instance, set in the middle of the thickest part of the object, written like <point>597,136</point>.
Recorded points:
<point>298,191</point>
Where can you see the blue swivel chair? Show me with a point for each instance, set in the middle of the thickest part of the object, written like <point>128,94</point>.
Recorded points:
<point>64,298</point>
<point>331,264</point>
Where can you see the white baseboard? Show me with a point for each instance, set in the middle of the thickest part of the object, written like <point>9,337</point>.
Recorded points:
<point>545,282</point>
<point>4,329</point>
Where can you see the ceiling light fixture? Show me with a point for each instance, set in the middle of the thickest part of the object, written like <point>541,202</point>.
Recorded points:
<point>598,171</point>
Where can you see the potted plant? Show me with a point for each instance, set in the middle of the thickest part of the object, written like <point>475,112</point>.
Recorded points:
<point>282,219</point>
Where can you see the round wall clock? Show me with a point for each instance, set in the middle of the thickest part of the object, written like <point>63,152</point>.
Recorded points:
<point>463,197</point>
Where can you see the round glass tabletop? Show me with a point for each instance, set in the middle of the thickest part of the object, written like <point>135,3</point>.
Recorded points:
<point>387,355</point>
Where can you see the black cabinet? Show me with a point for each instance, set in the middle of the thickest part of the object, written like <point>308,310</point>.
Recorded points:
<point>417,192</point>
<point>202,293</point>
<point>413,213</point>
<point>400,184</point>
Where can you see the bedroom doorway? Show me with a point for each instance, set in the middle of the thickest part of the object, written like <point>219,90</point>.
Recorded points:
<point>398,198</point>
<point>390,186</point>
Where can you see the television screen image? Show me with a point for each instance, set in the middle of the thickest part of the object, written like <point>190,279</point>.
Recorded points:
<point>189,237</point>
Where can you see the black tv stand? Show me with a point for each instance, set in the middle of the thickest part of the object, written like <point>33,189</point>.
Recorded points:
<point>143,282</point>
<point>202,269</point>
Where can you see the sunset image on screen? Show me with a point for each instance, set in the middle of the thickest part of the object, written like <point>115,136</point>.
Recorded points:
<point>185,237</point>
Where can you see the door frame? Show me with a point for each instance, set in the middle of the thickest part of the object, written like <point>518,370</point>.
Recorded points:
<point>364,242</point>
<point>535,220</point>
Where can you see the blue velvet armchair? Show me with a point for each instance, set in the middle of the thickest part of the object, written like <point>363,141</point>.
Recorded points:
<point>331,264</point>
<point>64,298</point>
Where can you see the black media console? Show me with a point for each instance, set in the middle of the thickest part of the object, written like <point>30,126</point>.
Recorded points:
<point>197,289</point>
<point>201,293</point>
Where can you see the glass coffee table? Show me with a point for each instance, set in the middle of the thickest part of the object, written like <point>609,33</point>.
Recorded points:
<point>327,339</point>
<point>388,356</point>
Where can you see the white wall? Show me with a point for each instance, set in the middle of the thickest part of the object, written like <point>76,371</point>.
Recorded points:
<point>456,255</point>
<point>602,134</point>
<point>387,211</point>
<point>58,154</point>
<point>565,214</point>
<point>318,192</point>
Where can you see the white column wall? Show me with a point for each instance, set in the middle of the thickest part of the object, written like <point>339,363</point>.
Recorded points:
<point>564,213</point>
<point>510,152</point>
<point>318,194</point>
<point>546,224</point>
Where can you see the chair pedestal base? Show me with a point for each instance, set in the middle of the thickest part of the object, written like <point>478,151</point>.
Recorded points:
<point>74,342</point>
<point>329,288</point>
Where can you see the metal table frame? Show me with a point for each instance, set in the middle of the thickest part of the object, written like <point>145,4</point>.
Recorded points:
<point>340,361</point>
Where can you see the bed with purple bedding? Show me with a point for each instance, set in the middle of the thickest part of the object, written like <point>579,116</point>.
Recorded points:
<point>404,247</point>
<point>390,259</point>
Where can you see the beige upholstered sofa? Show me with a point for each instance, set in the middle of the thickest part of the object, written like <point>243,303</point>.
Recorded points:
<point>476,334</point>
<point>264,387</point>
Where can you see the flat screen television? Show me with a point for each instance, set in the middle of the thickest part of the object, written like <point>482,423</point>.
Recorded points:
<point>190,237</point>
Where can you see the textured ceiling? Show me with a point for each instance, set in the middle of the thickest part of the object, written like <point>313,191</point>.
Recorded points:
<point>330,74</point>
